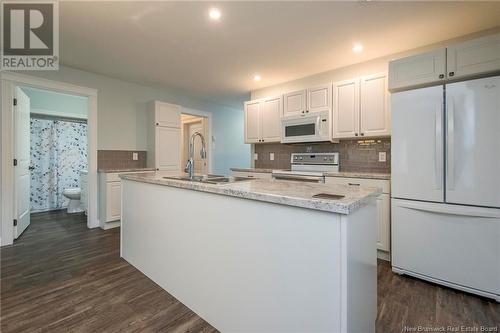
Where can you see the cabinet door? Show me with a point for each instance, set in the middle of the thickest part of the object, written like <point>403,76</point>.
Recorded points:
<point>478,56</point>
<point>167,114</point>
<point>346,109</point>
<point>168,142</point>
<point>270,110</point>
<point>113,201</point>
<point>319,99</point>
<point>295,103</point>
<point>374,111</point>
<point>424,68</point>
<point>252,122</point>
<point>384,222</point>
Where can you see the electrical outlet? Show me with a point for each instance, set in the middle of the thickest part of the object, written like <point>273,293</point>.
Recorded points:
<point>271,156</point>
<point>255,156</point>
<point>382,156</point>
<point>135,156</point>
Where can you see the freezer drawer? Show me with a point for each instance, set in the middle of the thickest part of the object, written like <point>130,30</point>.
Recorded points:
<point>457,245</point>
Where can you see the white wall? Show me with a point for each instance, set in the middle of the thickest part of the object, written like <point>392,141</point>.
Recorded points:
<point>56,104</point>
<point>122,115</point>
<point>365,68</point>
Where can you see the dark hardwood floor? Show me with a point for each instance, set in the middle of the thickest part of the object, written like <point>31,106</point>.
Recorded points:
<point>60,276</point>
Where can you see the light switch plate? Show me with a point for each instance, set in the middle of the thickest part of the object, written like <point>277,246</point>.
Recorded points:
<point>255,156</point>
<point>271,156</point>
<point>382,156</point>
<point>135,156</point>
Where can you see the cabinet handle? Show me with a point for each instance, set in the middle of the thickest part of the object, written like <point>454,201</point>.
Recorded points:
<point>157,124</point>
<point>362,134</point>
<point>250,176</point>
<point>355,134</point>
<point>303,111</point>
<point>441,76</point>
<point>307,111</point>
<point>353,184</point>
<point>262,140</point>
<point>452,74</point>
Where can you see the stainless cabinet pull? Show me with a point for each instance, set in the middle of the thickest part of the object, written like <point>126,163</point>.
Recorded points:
<point>354,184</point>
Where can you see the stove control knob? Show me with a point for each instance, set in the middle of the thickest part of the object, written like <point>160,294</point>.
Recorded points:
<point>300,157</point>
<point>324,158</point>
<point>295,157</point>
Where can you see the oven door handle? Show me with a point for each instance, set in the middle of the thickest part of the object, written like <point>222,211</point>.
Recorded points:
<point>311,179</point>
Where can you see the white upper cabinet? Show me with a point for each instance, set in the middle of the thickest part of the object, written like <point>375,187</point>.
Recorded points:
<point>420,69</point>
<point>374,111</point>
<point>474,57</point>
<point>271,110</point>
<point>346,109</point>
<point>360,107</point>
<point>164,136</point>
<point>252,122</point>
<point>295,103</point>
<point>168,154</point>
<point>263,120</point>
<point>167,114</point>
<point>319,99</point>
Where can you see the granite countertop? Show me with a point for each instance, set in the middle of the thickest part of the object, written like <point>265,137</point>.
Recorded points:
<point>258,170</point>
<point>284,192</point>
<point>105,170</point>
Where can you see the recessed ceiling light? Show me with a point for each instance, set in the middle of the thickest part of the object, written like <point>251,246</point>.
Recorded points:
<point>257,78</point>
<point>214,14</point>
<point>357,48</point>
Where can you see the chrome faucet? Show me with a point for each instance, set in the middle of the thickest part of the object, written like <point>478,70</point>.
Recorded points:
<point>203,153</point>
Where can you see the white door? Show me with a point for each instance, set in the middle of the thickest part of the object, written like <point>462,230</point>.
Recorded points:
<point>22,159</point>
<point>451,243</point>
<point>417,70</point>
<point>374,111</point>
<point>473,142</point>
<point>168,143</point>
<point>252,122</point>
<point>271,110</point>
<point>319,98</point>
<point>474,57</point>
<point>346,109</point>
<point>417,156</point>
<point>199,164</point>
<point>168,114</point>
<point>294,103</point>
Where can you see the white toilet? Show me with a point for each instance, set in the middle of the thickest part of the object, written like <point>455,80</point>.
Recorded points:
<point>73,194</point>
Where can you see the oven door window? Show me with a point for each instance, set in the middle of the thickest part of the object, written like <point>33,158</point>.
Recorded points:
<point>300,130</point>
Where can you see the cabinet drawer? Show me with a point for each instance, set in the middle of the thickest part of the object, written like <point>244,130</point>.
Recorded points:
<point>256,175</point>
<point>383,184</point>
<point>112,177</point>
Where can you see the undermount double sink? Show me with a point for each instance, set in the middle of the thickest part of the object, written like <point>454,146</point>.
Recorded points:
<point>209,179</point>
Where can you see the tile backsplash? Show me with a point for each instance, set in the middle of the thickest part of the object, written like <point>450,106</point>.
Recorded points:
<point>355,155</point>
<point>120,159</point>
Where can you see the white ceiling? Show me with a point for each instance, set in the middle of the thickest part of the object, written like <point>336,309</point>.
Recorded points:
<point>174,44</point>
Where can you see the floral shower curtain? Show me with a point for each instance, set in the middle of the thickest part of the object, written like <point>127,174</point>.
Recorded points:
<point>58,153</point>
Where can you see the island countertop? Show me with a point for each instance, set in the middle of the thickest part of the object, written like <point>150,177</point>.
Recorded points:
<point>284,192</point>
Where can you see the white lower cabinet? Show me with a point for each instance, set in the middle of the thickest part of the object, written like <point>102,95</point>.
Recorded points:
<point>110,199</point>
<point>255,175</point>
<point>383,209</point>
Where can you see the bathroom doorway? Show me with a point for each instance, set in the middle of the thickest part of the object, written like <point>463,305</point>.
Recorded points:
<point>51,131</point>
<point>190,125</point>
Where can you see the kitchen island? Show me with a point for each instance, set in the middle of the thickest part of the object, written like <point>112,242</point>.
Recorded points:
<point>257,255</point>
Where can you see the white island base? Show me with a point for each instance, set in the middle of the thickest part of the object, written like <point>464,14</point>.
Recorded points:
<point>252,266</point>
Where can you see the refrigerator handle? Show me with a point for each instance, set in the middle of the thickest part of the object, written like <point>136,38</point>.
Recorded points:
<point>450,149</point>
<point>439,208</point>
<point>438,147</point>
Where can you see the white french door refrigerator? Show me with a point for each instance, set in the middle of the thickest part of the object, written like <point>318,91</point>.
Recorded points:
<point>446,185</point>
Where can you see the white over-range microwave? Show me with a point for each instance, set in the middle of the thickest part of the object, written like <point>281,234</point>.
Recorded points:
<point>313,127</point>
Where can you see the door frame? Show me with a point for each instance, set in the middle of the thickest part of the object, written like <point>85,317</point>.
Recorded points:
<point>208,139</point>
<point>8,82</point>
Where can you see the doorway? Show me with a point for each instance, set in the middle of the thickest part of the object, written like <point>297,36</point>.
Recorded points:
<point>51,149</point>
<point>16,177</point>
<point>190,125</point>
